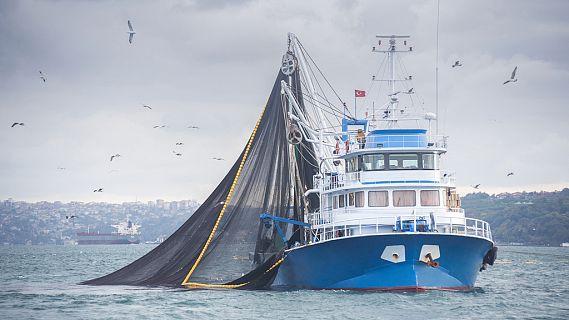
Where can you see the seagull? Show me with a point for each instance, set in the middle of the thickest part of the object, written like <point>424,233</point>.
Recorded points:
<point>61,168</point>
<point>70,217</point>
<point>179,143</point>
<point>193,127</point>
<point>17,124</point>
<point>146,106</point>
<point>115,156</point>
<point>513,76</point>
<point>98,190</point>
<point>410,91</point>
<point>510,174</point>
<point>42,76</point>
<point>218,159</point>
<point>394,94</point>
<point>457,64</point>
<point>476,186</point>
<point>162,126</point>
<point>131,33</point>
<point>177,153</point>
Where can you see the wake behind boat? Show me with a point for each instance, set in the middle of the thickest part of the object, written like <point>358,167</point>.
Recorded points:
<point>321,199</point>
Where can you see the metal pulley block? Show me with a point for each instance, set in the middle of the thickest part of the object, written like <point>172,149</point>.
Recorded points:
<point>288,65</point>
<point>294,135</point>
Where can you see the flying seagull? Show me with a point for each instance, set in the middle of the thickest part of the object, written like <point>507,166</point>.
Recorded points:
<point>42,76</point>
<point>162,126</point>
<point>131,33</point>
<point>410,91</point>
<point>513,76</point>
<point>146,106</point>
<point>70,217</point>
<point>476,186</point>
<point>457,64</point>
<point>510,174</point>
<point>193,127</point>
<point>61,168</point>
<point>218,159</point>
<point>17,124</point>
<point>115,156</point>
<point>98,190</point>
<point>394,94</point>
<point>177,153</point>
<point>179,143</point>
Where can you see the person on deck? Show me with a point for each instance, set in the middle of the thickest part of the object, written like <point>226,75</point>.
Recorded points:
<point>361,138</point>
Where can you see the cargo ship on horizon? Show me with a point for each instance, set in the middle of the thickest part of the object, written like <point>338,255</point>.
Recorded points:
<point>127,233</point>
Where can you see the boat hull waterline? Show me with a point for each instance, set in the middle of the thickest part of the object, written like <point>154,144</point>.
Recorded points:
<point>359,263</point>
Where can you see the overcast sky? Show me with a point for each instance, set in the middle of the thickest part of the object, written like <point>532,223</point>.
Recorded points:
<point>212,64</point>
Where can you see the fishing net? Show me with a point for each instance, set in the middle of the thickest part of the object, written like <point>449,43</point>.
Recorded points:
<point>225,243</point>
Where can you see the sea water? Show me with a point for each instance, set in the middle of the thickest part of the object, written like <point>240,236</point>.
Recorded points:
<point>40,282</point>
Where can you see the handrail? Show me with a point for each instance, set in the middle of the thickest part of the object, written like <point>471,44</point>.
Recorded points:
<point>333,181</point>
<point>432,141</point>
<point>326,228</point>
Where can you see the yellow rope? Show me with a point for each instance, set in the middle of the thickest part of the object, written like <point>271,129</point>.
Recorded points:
<point>190,285</point>
<point>185,282</point>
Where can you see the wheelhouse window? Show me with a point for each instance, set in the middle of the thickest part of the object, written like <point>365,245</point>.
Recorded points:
<point>373,162</point>
<point>351,199</point>
<point>360,199</point>
<point>352,165</point>
<point>342,200</point>
<point>403,161</point>
<point>429,161</point>
<point>377,199</point>
<point>404,198</point>
<point>430,198</point>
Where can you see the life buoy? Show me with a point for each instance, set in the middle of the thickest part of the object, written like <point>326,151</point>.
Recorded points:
<point>337,147</point>
<point>347,146</point>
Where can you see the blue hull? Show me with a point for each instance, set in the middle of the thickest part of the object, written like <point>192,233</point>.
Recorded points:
<point>385,262</point>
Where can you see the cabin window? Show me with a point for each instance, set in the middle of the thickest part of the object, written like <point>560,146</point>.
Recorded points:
<point>342,200</point>
<point>373,162</point>
<point>351,199</point>
<point>335,203</point>
<point>404,198</point>
<point>352,165</point>
<point>429,161</point>
<point>430,198</point>
<point>378,199</point>
<point>360,199</point>
<point>403,161</point>
<point>329,202</point>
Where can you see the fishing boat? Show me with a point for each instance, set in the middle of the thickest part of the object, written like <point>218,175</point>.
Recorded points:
<point>389,216</point>
<point>321,198</point>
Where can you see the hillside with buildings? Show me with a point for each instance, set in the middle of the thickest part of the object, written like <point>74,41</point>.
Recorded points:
<point>57,222</point>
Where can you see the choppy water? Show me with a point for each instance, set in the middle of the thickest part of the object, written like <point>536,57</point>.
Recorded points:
<point>40,282</point>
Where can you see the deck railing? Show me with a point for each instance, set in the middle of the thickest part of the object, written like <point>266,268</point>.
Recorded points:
<point>327,228</point>
<point>340,180</point>
<point>405,141</point>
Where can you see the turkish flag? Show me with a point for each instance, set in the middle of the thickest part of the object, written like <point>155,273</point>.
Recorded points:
<point>360,93</point>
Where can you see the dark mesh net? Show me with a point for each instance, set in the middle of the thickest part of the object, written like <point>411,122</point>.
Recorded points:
<point>267,177</point>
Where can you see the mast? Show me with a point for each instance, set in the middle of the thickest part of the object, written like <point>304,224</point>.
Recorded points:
<point>391,52</point>
<point>437,72</point>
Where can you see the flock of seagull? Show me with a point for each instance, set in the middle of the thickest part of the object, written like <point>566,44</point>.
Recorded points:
<point>476,186</point>
<point>131,34</point>
<point>511,79</point>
